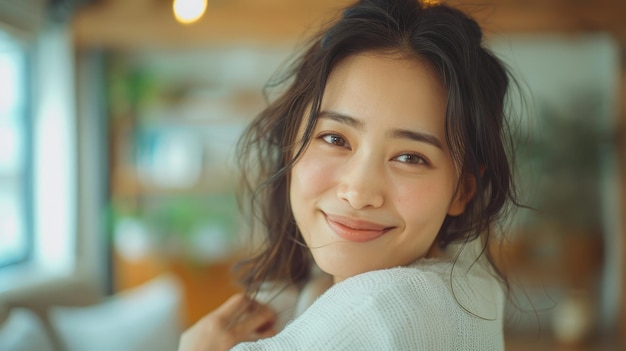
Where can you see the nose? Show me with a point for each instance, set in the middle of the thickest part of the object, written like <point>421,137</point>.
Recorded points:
<point>361,183</point>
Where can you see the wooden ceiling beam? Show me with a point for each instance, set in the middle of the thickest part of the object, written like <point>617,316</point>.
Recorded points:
<point>150,23</point>
<point>115,25</point>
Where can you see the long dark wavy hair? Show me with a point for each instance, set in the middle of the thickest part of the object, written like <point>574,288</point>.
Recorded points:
<point>475,81</point>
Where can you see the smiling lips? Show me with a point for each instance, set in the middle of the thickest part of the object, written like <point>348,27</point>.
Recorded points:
<point>354,229</point>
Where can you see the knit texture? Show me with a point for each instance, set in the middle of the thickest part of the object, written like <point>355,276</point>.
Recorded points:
<point>428,305</point>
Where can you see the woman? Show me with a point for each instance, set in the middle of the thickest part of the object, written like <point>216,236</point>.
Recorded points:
<point>383,163</point>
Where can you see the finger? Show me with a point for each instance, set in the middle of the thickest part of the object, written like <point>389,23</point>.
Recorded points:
<point>258,336</point>
<point>259,320</point>
<point>235,304</point>
<point>266,332</point>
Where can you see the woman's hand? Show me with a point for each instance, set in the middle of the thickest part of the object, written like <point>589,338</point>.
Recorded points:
<point>239,319</point>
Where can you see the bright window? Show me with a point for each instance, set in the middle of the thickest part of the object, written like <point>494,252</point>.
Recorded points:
<point>15,243</point>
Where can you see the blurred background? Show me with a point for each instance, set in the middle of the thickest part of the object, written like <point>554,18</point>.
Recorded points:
<point>118,120</point>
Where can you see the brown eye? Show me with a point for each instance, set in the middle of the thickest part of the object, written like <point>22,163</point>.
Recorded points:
<point>334,139</point>
<point>412,159</point>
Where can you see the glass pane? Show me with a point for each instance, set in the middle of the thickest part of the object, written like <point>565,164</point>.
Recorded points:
<point>12,121</point>
<point>13,239</point>
<point>11,148</point>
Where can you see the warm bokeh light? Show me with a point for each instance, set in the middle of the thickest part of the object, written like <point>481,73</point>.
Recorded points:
<point>428,3</point>
<point>189,11</point>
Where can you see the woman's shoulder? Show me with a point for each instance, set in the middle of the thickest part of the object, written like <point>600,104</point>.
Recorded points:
<point>420,277</point>
<point>390,293</point>
<point>425,285</point>
<point>427,304</point>
<point>419,306</point>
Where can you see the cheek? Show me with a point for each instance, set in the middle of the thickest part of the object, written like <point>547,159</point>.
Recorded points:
<point>424,200</point>
<point>309,177</point>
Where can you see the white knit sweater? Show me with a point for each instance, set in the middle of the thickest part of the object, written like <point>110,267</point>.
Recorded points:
<point>428,305</point>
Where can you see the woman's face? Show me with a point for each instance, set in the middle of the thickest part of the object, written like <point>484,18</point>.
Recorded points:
<point>374,185</point>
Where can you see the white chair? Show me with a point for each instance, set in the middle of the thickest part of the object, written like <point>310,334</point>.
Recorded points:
<point>22,330</point>
<point>144,318</point>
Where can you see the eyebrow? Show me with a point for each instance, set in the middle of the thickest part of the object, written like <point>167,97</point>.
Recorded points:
<point>417,136</point>
<point>394,133</point>
<point>341,118</point>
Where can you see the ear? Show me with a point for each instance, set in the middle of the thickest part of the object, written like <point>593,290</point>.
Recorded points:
<point>464,193</point>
